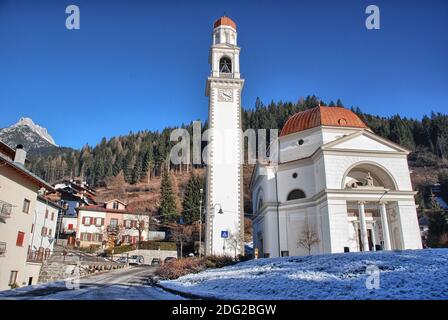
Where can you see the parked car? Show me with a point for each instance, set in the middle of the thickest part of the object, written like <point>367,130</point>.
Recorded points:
<point>168,259</point>
<point>136,260</point>
<point>156,262</point>
<point>121,260</point>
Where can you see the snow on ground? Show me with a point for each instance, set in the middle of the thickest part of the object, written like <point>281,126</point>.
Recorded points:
<point>408,274</point>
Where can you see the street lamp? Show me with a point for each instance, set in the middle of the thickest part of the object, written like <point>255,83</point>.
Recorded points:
<point>211,220</point>
<point>200,222</point>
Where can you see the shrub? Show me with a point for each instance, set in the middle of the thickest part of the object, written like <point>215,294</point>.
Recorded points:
<point>178,268</point>
<point>155,245</point>
<point>218,261</point>
<point>14,285</point>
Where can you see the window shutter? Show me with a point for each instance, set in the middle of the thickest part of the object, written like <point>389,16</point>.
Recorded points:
<point>84,220</point>
<point>20,237</point>
<point>102,221</point>
<point>92,220</point>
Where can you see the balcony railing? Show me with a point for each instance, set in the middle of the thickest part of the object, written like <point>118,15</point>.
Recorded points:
<point>5,209</point>
<point>112,229</point>
<point>2,248</point>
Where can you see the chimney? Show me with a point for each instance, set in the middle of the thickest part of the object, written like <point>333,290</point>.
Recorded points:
<point>20,155</point>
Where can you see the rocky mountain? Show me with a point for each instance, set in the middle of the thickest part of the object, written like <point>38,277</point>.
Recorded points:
<point>30,135</point>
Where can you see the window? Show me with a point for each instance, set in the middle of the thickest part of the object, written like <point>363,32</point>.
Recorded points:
<point>52,216</point>
<point>26,206</point>
<point>113,222</point>
<point>46,214</point>
<point>43,232</point>
<point>13,278</point>
<point>294,175</point>
<point>32,228</point>
<point>115,205</point>
<point>70,226</point>
<point>296,194</point>
<point>84,236</point>
<point>50,232</point>
<point>285,253</point>
<point>86,221</point>
<point>98,222</point>
<point>20,238</point>
<point>225,65</point>
<point>300,142</point>
<point>127,224</point>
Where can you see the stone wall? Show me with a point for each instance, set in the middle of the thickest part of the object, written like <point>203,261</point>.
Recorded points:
<point>55,271</point>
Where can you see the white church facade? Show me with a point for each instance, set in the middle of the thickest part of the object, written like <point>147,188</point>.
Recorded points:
<point>334,181</point>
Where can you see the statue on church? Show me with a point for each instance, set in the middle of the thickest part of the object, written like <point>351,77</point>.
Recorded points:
<point>369,180</point>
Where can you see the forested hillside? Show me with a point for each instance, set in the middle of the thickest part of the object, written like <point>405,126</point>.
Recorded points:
<point>143,155</point>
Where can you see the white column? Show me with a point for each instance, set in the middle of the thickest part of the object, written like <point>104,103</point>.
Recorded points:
<point>373,236</point>
<point>385,226</point>
<point>362,218</point>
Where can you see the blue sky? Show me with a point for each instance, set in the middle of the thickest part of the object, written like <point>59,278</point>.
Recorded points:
<point>138,65</point>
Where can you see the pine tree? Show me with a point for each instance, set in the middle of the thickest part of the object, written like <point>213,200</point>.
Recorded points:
<point>438,223</point>
<point>167,208</point>
<point>191,201</point>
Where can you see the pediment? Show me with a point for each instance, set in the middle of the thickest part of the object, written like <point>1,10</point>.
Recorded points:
<point>364,140</point>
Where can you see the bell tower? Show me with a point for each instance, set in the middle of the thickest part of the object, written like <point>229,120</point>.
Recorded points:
<point>225,211</point>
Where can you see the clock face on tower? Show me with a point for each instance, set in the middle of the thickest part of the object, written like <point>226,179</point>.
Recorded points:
<point>225,95</point>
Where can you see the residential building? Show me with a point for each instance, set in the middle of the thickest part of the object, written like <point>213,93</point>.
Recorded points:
<point>109,224</point>
<point>43,234</point>
<point>18,200</point>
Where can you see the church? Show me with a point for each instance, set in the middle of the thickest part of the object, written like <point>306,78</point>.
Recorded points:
<point>336,187</point>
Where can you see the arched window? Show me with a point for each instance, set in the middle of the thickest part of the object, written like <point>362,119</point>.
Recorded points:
<point>260,203</point>
<point>225,65</point>
<point>296,194</point>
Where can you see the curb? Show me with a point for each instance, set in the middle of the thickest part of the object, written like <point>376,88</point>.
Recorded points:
<point>181,293</point>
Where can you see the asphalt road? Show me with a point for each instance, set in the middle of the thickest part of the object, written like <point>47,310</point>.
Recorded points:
<point>124,284</point>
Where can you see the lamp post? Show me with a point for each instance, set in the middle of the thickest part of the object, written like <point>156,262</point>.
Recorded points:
<point>200,223</point>
<point>211,221</point>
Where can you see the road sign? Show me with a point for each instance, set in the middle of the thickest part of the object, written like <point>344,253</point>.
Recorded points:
<point>224,234</point>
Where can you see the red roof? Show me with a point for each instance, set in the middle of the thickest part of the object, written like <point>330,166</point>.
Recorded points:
<point>224,21</point>
<point>322,116</point>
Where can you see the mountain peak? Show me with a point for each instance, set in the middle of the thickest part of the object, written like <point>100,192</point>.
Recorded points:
<point>28,133</point>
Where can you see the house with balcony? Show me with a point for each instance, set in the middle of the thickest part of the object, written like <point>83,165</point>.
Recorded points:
<point>18,200</point>
<point>110,223</point>
<point>43,235</point>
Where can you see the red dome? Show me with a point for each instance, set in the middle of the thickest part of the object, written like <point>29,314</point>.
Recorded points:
<point>224,21</point>
<point>322,116</point>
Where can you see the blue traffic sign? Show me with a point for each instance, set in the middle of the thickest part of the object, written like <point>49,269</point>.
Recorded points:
<point>224,234</point>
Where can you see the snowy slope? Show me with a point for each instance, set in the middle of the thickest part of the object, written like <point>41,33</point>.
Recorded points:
<point>26,132</point>
<point>410,274</point>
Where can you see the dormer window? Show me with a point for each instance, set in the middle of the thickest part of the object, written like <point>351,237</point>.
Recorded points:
<point>225,65</point>
<point>115,205</point>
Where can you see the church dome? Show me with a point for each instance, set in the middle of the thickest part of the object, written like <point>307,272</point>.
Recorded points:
<point>322,116</point>
<point>224,21</point>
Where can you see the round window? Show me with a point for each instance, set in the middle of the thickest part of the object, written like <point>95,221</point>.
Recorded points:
<point>300,142</point>
<point>295,175</point>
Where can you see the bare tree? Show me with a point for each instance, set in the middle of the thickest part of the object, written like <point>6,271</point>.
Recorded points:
<point>142,224</point>
<point>114,234</point>
<point>181,234</point>
<point>233,241</point>
<point>308,239</point>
